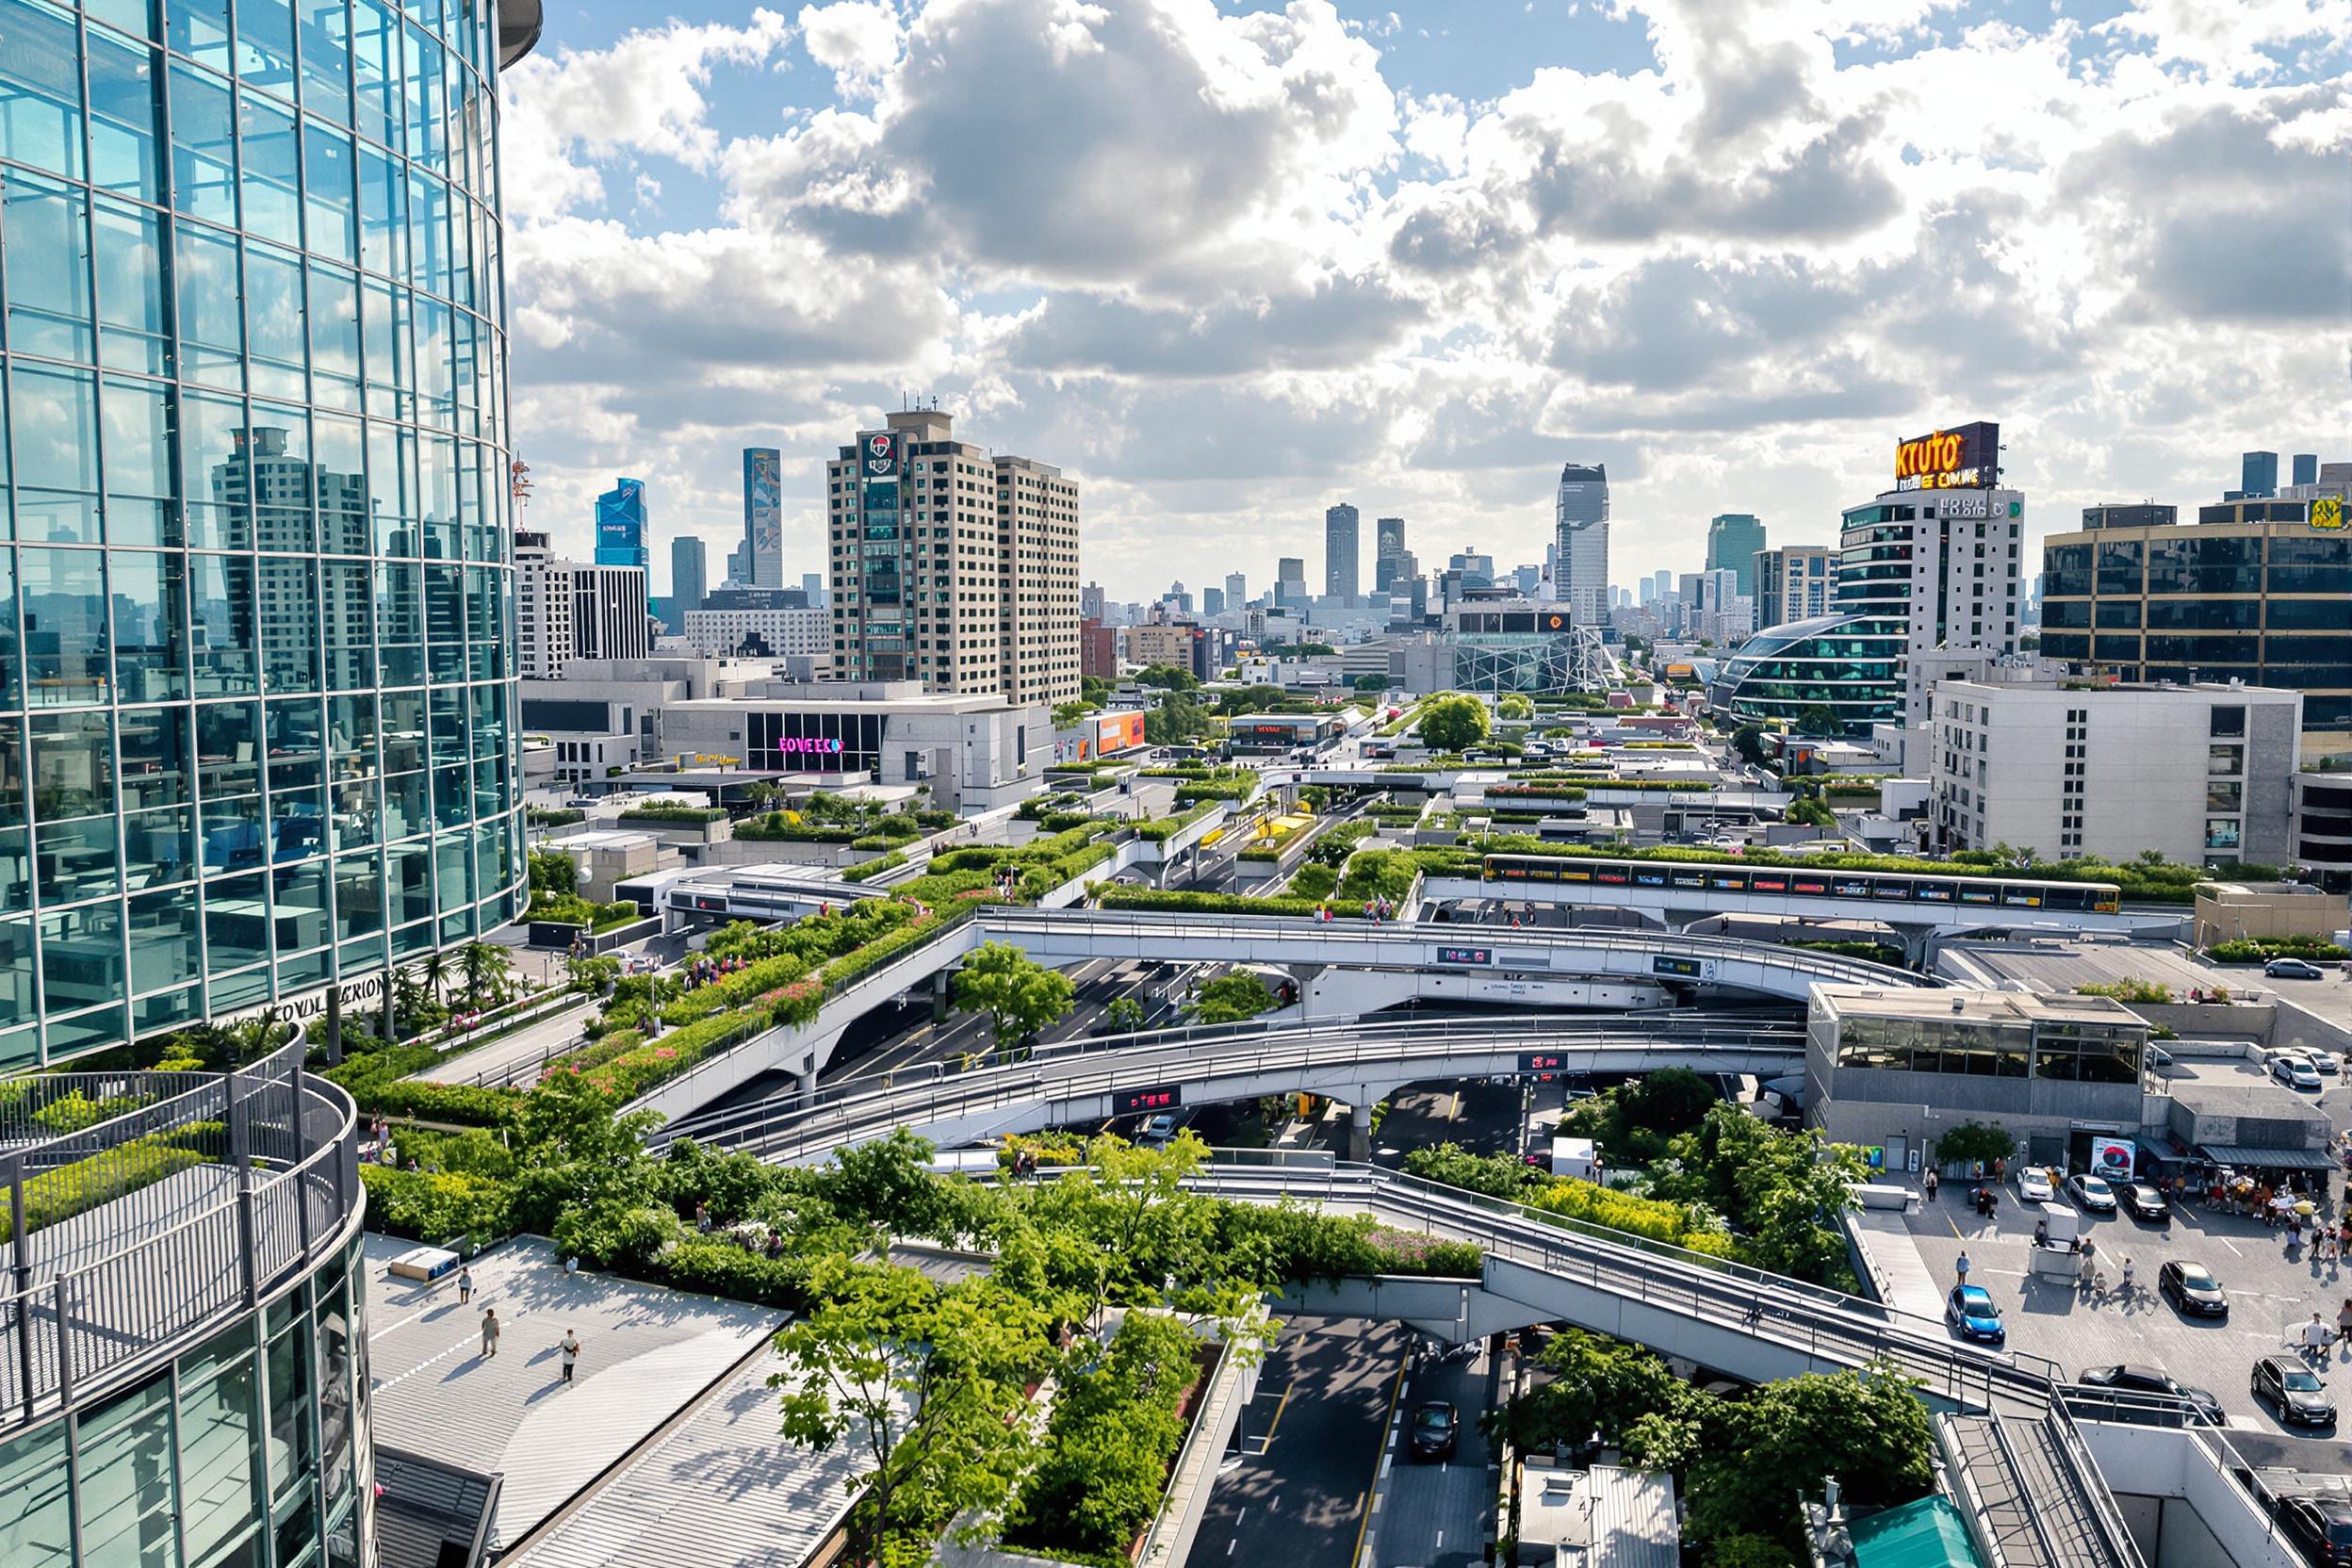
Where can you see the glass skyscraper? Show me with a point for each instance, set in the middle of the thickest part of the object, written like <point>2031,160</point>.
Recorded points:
<point>258,698</point>
<point>621,525</point>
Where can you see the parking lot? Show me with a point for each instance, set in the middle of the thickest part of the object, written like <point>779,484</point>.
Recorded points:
<point>2274,1289</point>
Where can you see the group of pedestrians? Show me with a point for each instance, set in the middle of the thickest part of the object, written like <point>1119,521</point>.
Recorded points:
<point>704,971</point>
<point>1374,909</point>
<point>493,1327</point>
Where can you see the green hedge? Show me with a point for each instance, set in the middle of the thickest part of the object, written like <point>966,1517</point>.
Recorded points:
<point>1171,899</point>
<point>571,909</point>
<point>2157,884</point>
<point>874,868</point>
<point>659,814</point>
<point>772,829</point>
<point>436,1205</point>
<point>2256,950</point>
<point>71,1189</point>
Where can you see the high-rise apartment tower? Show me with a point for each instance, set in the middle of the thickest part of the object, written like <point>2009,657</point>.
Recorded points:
<point>1581,512</point>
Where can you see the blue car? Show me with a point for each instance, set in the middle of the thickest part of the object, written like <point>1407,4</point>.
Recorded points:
<point>1970,1311</point>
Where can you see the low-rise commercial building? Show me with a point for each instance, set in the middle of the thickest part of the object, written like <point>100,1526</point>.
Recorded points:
<point>2234,911</point>
<point>2071,769</point>
<point>2323,827</point>
<point>1895,1069</point>
<point>759,633</point>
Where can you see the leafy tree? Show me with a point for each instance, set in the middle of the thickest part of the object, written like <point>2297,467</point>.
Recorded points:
<point>1231,997</point>
<point>1068,714</point>
<point>1782,1191</point>
<point>1453,723</point>
<point>487,970</point>
<point>1124,1015</point>
<point>1868,1428</point>
<point>1974,1140</point>
<point>1371,683</point>
<point>1495,1175</point>
<point>1020,995</point>
<point>925,1383</point>
<point>553,871</point>
<point>1115,1427</point>
<point>1095,688</point>
<point>1511,705</point>
<point>886,1183</point>
<point>1748,741</point>
<point>1167,678</point>
<point>1175,722</point>
<point>1669,1100</point>
<point>1599,1385</point>
<point>1819,719</point>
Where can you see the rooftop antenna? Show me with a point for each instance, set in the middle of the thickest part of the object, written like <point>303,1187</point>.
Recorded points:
<point>518,481</point>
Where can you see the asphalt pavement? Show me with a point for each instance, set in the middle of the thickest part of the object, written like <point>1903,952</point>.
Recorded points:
<point>1315,1444</point>
<point>1439,1514</point>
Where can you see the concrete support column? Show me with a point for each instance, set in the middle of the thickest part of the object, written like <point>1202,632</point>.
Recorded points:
<point>942,994</point>
<point>1359,1130</point>
<point>1302,975</point>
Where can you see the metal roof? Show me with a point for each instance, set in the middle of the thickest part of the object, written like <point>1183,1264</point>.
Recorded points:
<point>2267,1159</point>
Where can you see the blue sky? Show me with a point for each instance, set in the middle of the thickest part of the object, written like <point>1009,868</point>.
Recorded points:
<point>1229,264</point>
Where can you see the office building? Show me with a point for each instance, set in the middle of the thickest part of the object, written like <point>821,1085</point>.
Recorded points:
<point>763,518</point>
<point>2306,469</point>
<point>2130,515</point>
<point>255,669</point>
<point>1212,601</point>
<point>1236,590</point>
<point>1178,599</point>
<point>1732,540</point>
<point>2256,591</point>
<point>257,687</point>
<point>813,584</point>
<point>621,525</point>
<point>1290,582</point>
<point>1098,650</point>
<point>1649,592</point>
<point>761,633</point>
<point>1090,602</point>
<point>1388,551</point>
<point>2064,768</point>
<point>689,579</point>
<point>2323,827</point>
<point>1340,554</point>
<point>951,566</point>
<point>1792,583</point>
<point>569,610</point>
<point>1664,582</point>
<point>1581,536</point>
<point>1932,565</point>
<point>2258,476</point>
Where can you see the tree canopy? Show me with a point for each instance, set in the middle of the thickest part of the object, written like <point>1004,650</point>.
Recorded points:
<point>1020,995</point>
<point>1231,997</point>
<point>1453,723</point>
<point>1167,678</point>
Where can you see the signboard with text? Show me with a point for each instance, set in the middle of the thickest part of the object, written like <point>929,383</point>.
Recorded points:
<point>1965,457</point>
<point>1465,955</point>
<point>1681,969</point>
<point>1545,1061</point>
<point>1160,1097</point>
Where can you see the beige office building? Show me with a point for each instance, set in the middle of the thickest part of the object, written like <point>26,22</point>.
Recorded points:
<point>951,566</point>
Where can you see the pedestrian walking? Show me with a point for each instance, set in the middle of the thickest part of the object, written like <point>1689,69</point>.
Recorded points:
<point>570,1347</point>
<point>489,1330</point>
<point>464,1286</point>
<point>1960,1266</point>
<point>2316,1339</point>
<point>1930,1184</point>
<point>2343,1320</point>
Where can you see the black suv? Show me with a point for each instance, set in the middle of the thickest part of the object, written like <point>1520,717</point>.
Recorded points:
<point>2193,1289</point>
<point>2144,1201</point>
<point>2295,1391</point>
<point>2321,1528</point>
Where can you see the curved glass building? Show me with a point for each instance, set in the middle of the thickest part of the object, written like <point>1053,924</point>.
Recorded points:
<point>1850,664</point>
<point>258,686</point>
<point>182,1372</point>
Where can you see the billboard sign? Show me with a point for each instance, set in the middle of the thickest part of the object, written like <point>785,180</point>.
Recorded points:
<point>877,452</point>
<point>1118,732</point>
<point>2111,1159</point>
<point>1163,1097</point>
<point>2327,513</point>
<point>1465,955</point>
<point>1966,457</point>
<point>763,514</point>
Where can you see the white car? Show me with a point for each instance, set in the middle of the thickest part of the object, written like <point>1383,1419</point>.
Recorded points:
<point>2297,1072</point>
<point>2034,1186</point>
<point>2091,1194</point>
<point>2325,1063</point>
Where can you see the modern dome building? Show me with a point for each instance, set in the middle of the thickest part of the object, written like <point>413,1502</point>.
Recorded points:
<point>257,684</point>
<point>1850,664</point>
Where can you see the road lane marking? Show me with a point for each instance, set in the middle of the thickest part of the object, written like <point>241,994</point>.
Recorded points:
<point>1397,1390</point>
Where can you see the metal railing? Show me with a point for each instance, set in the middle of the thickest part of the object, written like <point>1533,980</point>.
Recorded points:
<point>135,1235</point>
<point>872,1105</point>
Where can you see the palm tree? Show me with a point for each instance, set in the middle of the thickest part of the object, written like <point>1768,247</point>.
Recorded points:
<point>487,971</point>
<point>437,970</point>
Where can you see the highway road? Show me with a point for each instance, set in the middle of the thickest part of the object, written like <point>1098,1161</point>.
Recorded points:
<point>1313,1449</point>
<point>1440,1514</point>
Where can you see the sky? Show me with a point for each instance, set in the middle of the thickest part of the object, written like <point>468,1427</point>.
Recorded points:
<point>1227,263</point>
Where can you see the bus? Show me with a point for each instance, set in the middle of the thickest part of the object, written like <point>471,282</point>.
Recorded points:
<point>1802,882</point>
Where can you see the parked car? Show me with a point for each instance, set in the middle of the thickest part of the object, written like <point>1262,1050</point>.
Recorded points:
<point>2158,1383</point>
<point>2297,1072</point>
<point>1435,1426</point>
<point>1970,1312</point>
<point>2144,1201</point>
<point>1158,1129</point>
<point>2034,1186</point>
<point>2294,1390</point>
<point>2328,1063</point>
<point>2321,1528</point>
<point>2090,1193</point>
<point>2294,969</point>
<point>2192,1288</point>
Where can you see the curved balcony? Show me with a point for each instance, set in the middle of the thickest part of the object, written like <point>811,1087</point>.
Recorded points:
<point>140,1211</point>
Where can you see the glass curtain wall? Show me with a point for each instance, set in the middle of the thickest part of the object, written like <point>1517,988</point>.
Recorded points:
<point>254,523</point>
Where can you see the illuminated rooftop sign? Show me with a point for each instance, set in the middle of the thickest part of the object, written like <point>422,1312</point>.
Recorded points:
<point>1966,457</point>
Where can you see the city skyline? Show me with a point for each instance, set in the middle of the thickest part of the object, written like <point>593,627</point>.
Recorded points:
<point>762,228</point>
